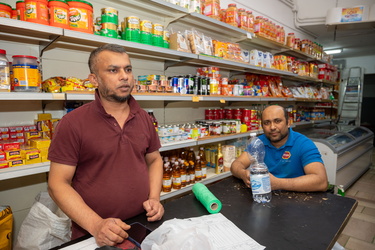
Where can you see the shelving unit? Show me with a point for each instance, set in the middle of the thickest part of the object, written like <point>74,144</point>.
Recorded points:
<point>48,37</point>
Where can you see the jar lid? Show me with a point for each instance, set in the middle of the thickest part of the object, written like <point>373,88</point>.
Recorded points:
<point>63,1</point>
<point>81,1</point>
<point>6,4</point>
<point>2,51</point>
<point>20,2</point>
<point>232,5</point>
<point>24,56</point>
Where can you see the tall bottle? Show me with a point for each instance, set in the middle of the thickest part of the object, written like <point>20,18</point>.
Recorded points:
<point>4,72</point>
<point>198,168</point>
<point>202,155</point>
<point>259,174</point>
<point>219,161</point>
<point>183,173</point>
<point>176,179</point>
<point>167,178</point>
<point>153,118</point>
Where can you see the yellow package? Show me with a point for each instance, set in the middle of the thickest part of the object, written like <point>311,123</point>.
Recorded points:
<point>29,153</point>
<point>44,116</point>
<point>12,154</point>
<point>43,152</point>
<point>44,159</point>
<point>16,162</point>
<point>40,143</point>
<point>4,164</point>
<point>34,161</point>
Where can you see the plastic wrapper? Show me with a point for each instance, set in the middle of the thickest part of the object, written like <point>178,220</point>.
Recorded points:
<point>196,41</point>
<point>62,84</point>
<point>179,42</point>
<point>208,46</point>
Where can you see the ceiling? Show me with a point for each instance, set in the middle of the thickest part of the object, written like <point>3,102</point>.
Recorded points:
<point>356,39</point>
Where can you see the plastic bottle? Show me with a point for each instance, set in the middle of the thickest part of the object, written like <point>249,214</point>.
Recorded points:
<point>167,178</point>
<point>176,176</point>
<point>4,71</point>
<point>259,175</point>
<point>153,118</point>
<point>219,161</point>
<point>198,168</point>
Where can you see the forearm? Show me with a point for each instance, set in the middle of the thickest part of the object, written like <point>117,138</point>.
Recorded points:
<point>156,178</point>
<point>238,170</point>
<point>305,183</point>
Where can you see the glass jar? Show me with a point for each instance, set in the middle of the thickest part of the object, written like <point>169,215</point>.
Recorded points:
<point>232,15</point>
<point>290,40</point>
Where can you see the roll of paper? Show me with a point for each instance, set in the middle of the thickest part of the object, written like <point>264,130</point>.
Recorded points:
<point>208,200</point>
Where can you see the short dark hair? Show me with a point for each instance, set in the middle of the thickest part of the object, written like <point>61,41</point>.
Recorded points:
<point>106,47</point>
<point>285,113</point>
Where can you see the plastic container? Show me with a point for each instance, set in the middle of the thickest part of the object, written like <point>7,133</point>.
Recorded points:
<point>59,13</point>
<point>81,16</point>
<point>5,10</point>
<point>26,74</point>
<point>14,14</point>
<point>36,11</point>
<point>4,72</point>
<point>259,175</point>
<point>232,15</point>
<point>21,10</point>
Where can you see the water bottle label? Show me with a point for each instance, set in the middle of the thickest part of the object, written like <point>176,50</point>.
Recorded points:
<point>260,184</point>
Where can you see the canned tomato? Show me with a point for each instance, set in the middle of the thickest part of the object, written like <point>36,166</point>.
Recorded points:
<point>215,114</point>
<point>208,114</point>
<point>246,115</point>
<point>228,113</point>
<point>237,114</point>
<point>220,114</point>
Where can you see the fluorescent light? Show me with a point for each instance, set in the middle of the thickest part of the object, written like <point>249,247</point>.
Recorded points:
<point>333,51</point>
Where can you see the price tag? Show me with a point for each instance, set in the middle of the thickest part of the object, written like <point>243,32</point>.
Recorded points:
<point>195,99</point>
<point>222,101</point>
<point>58,96</point>
<point>249,35</point>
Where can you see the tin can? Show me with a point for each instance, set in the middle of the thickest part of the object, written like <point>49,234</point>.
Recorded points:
<point>220,114</point>
<point>246,116</point>
<point>132,29</point>
<point>109,15</point>
<point>146,32</point>
<point>228,114</point>
<point>215,114</point>
<point>237,114</point>
<point>254,124</point>
<point>157,35</point>
<point>253,115</point>
<point>208,114</point>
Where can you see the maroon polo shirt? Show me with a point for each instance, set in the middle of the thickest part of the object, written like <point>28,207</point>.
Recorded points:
<point>111,171</point>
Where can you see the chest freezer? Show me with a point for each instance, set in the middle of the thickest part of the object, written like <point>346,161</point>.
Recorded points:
<point>346,151</point>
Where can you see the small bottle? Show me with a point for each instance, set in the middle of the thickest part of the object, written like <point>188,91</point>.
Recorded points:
<point>192,172</point>
<point>4,71</point>
<point>167,178</point>
<point>198,168</point>
<point>219,161</point>
<point>259,175</point>
<point>202,155</point>
<point>187,168</point>
<point>153,118</point>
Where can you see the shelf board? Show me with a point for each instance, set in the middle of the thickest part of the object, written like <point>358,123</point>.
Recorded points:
<point>25,170</point>
<point>15,96</point>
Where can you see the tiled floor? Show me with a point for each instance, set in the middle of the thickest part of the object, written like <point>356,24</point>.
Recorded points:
<point>359,233</point>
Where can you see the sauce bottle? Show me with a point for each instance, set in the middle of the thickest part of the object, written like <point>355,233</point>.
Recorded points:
<point>167,178</point>
<point>198,169</point>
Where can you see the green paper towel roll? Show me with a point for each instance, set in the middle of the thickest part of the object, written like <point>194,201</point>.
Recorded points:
<point>208,200</point>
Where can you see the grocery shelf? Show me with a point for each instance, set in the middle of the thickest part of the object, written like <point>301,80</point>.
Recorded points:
<point>15,96</point>
<point>25,170</point>
<point>211,177</point>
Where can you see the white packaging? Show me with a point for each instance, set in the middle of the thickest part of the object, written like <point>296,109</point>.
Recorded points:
<point>256,58</point>
<point>229,155</point>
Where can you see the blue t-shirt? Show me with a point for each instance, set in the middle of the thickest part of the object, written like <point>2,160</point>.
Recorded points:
<point>289,160</point>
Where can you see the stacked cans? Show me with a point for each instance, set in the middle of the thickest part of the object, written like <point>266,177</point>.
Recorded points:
<point>109,22</point>
<point>130,29</point>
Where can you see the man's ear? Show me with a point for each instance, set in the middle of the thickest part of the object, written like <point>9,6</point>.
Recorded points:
<point>93,80</point>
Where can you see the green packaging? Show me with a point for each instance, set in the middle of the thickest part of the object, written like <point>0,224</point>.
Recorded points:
<point>208,200</point>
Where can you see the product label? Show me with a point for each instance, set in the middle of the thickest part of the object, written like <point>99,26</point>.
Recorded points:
<point>260,183</point>
<point>78,18</point>
<point>60,15</point>
<point>43,13</point>
<point>31,10</point>
<point>26,75</point>
<point>5,14</point>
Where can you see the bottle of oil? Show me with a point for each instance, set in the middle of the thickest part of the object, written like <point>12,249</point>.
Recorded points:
<point>167,178</point>
<point>176,180</point>
<point>219,161</point>
<point>187,167</point>
<point>202,155</point>
<point>198,168</point>
<point>183,173</point>
<point>192,171</point>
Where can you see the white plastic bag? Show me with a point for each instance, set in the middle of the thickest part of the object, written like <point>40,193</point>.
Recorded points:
<point>45,227</point>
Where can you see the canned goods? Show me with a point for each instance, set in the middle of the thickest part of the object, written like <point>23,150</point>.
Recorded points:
<point>246,115</point>
<point>131,31</point>
<point>237,114</point>
<point>208,114</point>
<point>253,115</point>
<point>228,114</point>
<point>220,114</point>
<point>109,15</point>
<point>146,32</point>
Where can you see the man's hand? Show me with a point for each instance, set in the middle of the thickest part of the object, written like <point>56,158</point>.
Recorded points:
<point>154,209</point>
<point>110,232</point>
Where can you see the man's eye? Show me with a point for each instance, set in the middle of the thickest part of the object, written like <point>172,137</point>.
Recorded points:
<point>113,70</point>
<point>277,121</point>
<point>129,70</point>
<point>266,123</point>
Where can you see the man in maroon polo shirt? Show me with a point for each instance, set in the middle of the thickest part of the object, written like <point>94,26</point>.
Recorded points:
<point>105,160</point>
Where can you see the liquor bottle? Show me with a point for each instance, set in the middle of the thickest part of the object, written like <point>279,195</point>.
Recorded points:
<point>198,168</point>
<point>202,155</point>
<point>192,172</point>
<point>259,175</point>
<point>220,161</point>
<point>176,179</point>
<point>187,167</point>
<point>167,178</point>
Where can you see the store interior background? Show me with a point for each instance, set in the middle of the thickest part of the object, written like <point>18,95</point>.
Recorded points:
<point>305,18</point>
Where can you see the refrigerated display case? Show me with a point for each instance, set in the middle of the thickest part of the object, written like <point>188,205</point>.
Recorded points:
<point>346,151</point>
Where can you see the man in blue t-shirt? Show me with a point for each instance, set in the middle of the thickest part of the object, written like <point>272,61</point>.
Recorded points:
<point>293,160</point>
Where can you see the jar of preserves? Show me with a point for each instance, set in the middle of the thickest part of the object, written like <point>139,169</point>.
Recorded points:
<point>290,40</point>
<point>242,16</point>
<point>250,21</point>
<point>232,15</point>
<point>212,9</point>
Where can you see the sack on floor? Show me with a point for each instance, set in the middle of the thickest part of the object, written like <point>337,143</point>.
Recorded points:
<point>45,227</point>
<point>6,227</point>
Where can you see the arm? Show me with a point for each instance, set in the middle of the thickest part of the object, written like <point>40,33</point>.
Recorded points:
<point>153,207</point>
<point>106,231</point>
<point>239,168</point>
<point>315,179</point>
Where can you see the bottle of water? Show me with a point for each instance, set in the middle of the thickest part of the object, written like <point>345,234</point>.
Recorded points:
<point>259,175</point>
